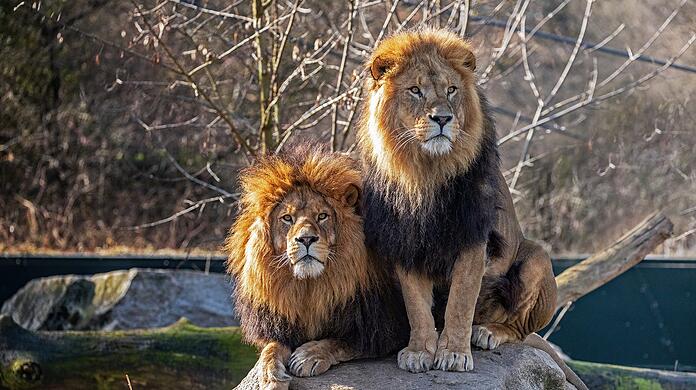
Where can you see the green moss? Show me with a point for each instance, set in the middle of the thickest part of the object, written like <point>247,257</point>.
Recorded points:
<point>226,342</point>
<point>610,377</point>
<point>178,356</point>
<point>634,383</point>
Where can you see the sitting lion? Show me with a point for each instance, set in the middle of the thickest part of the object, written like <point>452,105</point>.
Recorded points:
<point>432,171</point>
<point>303,279</point>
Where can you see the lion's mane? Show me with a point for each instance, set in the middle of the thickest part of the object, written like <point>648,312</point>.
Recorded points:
<point>448,203</point>
<point>353,300</point>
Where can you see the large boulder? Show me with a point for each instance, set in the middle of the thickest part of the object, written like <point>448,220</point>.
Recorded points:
<point>510,366</point>
<point>137,298</point>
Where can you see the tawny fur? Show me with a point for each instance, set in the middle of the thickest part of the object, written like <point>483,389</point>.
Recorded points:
<point>404,58</point>
<point>303,280</point>
<point>415,188</point>
<point>251,257</point>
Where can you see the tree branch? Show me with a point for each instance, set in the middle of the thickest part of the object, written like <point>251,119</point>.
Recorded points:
<point>604,266</point>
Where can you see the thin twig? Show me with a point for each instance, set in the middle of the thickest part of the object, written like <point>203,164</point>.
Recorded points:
<point>195,206</point>
<point>608,95</point>
<point>558,319</point>
<point>529,76</point>
<point>646,45</point>
<point>183,171</point>
<point>573,55</point>
<point>307,115</point>
<point>205,10</point>
<point>341,71</point>
<point>183,72</point>
<point>383,30</point>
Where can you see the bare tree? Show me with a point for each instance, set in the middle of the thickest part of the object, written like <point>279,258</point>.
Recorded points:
<point>262,74</point>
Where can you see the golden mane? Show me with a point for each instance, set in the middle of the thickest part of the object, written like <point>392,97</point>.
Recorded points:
<point>414,174</point>
<point>307,302</point>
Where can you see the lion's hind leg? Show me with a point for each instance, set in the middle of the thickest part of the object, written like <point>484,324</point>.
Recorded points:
<point>523,304</point>
<point>491,335</point>
<point>316,357</point>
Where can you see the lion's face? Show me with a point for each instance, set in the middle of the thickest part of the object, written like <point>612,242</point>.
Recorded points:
<point>297,247</point>
<point>427,99</point>
<point>423,122</point>
<point>303,227</point>
<point>423,97</point>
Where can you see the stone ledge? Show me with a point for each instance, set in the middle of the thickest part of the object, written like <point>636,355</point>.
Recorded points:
<point>511,366</point>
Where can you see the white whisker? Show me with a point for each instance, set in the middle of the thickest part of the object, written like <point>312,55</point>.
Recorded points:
<point>404,139</point>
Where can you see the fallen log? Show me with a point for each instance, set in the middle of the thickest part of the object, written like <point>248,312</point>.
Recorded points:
<point>604,266</point>
<point>180,356</point>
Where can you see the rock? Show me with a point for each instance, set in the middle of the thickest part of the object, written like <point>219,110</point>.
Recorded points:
<point>137,298</point>
<point>510,366</point>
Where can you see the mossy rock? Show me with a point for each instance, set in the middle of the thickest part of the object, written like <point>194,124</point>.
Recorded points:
<point>178,356</point>
<point>610,377</point>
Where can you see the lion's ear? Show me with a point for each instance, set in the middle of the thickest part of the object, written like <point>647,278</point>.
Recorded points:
<point>351,196</point>
<point>468,59</point>
<point>380,65</point>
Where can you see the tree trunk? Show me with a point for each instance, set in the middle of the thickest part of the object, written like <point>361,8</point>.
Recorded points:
<point>604,266</point>
<point>181,356</point>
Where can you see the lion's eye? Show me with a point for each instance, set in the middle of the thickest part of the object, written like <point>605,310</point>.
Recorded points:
<point>322,216</point>
<point>287,218</point>
<point>416,91</point>
<point>451,90</point>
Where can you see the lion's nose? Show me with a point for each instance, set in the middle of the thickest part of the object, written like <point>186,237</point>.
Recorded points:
<point>441,120</point>
<point>307,240</point>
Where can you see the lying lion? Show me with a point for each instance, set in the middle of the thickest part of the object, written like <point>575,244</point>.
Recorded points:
<point>304,281</point>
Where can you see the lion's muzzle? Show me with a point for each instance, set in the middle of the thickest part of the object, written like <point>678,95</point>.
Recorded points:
<point>438,136</point>
<point>308,255</point>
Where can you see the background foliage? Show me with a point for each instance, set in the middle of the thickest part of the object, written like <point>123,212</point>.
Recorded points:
<point>116,115</point>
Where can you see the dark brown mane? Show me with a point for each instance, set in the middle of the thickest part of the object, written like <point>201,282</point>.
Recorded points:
<point>443,204</point>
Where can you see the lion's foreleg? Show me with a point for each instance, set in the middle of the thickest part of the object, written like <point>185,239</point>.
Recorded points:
<point>316,357</point>
<point>418,298</point>
<point>453,346</point>
<point>273,359</point>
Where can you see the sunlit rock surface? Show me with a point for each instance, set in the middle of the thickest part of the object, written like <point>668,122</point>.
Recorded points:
<point>138,298</point>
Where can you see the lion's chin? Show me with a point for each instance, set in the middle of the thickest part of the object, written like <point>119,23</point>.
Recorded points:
<point>437,146</point>
<point>307,268</point>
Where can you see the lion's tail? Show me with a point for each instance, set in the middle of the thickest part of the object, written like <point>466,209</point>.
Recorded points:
<point>538,342</point>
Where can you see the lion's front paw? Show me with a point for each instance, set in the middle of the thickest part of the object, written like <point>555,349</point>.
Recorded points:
<point>453,352</point>
<point>274,385</point>
<point>311,359</point>
<point>448,360</point>
<point>483,337</point>
<point>274,377</point>
<point>414,360</point>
